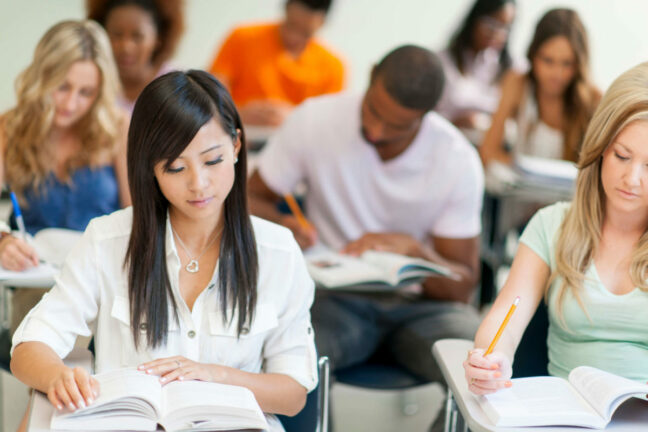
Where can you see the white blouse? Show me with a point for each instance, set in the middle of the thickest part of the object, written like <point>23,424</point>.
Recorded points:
<point>91,297</point>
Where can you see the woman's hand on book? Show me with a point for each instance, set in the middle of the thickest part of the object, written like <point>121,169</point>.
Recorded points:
<point>73,388</point>
<point>179,368</point>
<point>487,374</point>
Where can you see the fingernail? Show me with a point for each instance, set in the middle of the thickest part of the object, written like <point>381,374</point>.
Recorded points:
<point>509,384</point>
<point>82,404</point>
<point>71,406</point>
<point>494,366</point>
<point>89,401</point>
<point>94,392</point>
<point>181,378</point>
<point>163,379</point>
<point>148,371</point>
<point>140,367</point>
<point>497,374</point>
<point>59,407</point>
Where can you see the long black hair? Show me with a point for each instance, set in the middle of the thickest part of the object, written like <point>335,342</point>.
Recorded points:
<point>463,38</point>
<point>167,115</point>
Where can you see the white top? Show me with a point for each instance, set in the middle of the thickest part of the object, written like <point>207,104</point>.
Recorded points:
<point>535,137</point>
<point>477,89</point>
<point>434,187</point>
<point>91,297</point>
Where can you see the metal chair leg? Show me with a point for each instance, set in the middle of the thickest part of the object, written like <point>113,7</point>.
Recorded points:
<point>323,396</point>
<point>450,424</point>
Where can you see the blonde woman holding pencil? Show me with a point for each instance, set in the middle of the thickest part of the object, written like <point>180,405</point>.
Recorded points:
<point>587,259</point>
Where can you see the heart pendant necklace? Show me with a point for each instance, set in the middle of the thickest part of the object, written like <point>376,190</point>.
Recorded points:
<point>192,266</point>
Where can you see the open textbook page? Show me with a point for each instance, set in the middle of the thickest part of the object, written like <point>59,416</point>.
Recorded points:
<point>588,399</point>
<point>373,270</point>
<point>134,401</point>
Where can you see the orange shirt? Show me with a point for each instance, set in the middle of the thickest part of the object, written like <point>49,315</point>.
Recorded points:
<point>254,63</point>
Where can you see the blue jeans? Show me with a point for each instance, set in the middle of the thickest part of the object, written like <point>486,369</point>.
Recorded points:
<point>350,327</point>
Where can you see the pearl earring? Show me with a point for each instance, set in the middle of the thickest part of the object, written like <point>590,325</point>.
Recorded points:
<point>235,159</point>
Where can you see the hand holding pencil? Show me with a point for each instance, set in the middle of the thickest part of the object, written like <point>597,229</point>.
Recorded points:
<point>488,371</point>
<point>302,229</point>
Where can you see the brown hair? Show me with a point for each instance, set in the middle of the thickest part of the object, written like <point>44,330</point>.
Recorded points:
<point>581,96</point>
<point>168,16</point>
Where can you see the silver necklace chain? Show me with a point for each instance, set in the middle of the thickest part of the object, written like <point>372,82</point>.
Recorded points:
<point>192,266</point>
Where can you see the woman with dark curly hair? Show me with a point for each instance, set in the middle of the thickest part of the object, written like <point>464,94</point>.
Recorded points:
<point>143,35</point>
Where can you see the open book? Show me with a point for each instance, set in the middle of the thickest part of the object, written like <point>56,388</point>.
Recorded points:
<point>52,246</point>
<point>588,398</point>
<point>372,270</point>
<point>134,401</point>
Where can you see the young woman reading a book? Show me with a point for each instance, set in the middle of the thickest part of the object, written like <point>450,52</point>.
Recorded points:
<point>63,145</point>
<point>587,258</point>
<point>185,284</point>
<point>554,101</point>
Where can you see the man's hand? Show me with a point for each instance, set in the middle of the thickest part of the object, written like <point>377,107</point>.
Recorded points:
<point>306,237</point>
<point>265,112</point>
<point>399,243</point>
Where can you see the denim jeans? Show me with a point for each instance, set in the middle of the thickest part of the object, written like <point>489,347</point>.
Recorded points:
<point>350,327</point>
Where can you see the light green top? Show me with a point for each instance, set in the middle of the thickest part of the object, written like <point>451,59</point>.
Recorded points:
<point>614,337</point>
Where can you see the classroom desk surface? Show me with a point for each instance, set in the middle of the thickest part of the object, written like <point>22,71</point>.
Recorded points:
<point>450,354</point>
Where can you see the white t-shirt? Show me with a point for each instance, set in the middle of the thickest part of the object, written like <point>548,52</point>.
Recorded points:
<point>434,187</point>
<point>91,297</point>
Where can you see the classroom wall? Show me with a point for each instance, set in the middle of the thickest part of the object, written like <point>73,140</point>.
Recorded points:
<point>361,30</point>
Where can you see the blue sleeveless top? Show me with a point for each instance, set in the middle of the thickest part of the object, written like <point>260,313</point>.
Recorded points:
<point>91,192</point>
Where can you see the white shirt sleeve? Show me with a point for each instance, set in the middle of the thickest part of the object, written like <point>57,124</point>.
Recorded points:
<point>282,162</point>
<point>67,310</point>
<point>290,349</point>
<point>461,216</point>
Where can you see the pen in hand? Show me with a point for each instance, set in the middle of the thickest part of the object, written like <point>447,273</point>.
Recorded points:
<point>18,216</point>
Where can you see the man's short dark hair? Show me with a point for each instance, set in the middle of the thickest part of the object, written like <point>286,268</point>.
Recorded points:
<point>413,76</point>
<point>316,5</point>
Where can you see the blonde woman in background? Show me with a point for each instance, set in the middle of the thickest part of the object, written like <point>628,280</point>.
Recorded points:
<point>62,147</point>
<point>552,103</point>
<point>587,258</point>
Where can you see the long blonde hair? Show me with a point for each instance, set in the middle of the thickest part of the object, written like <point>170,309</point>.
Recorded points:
<point>626,101</point>
<point>28,162</point>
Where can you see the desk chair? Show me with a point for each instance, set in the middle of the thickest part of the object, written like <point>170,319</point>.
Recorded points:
<point>315,414</point>
<point>379,372</point>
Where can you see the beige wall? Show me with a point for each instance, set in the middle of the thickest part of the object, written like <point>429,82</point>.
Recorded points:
<point>361,30</point>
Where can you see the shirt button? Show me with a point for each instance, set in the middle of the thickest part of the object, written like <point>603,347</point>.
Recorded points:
<point>310,330</point>
<point>143,327</point>
<point>191,334</point>
<point>245,330</point>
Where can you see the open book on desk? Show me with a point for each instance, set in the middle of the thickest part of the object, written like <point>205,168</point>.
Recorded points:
<point>52,246</point>
<point>588,398</point>
<point>132,400</point>
<point>371,271</point>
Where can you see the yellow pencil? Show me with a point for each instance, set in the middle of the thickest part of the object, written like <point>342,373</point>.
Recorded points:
<point>294,208</point>
<point>502,326</point>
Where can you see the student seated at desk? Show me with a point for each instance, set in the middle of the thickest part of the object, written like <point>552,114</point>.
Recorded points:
<point>183,284</point>
<point>554,101</point>
<point>383,172</point>
<point>63,146</point>
<point>586,258</point>
<point>270,68</point>
<point>475,62</point>
<point>143,35</point>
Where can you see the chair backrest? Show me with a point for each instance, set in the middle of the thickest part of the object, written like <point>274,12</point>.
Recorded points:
<point>315,414</point>
<point>531,356</point>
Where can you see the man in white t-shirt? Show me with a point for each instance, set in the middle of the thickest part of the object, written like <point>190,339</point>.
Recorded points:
<point>383,172</point>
